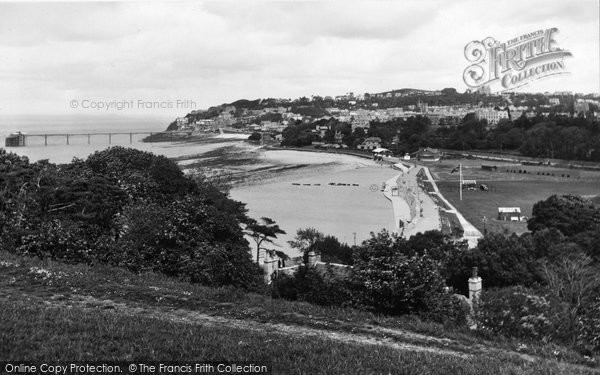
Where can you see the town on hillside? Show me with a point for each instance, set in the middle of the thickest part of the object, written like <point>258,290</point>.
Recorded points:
<point>407,120</point>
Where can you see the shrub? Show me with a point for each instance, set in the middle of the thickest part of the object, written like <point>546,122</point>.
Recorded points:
<point>518,312</point>
<point>588,328</point>
<point>128,208</point>
<point>393,283</point>
<point>322,287</point>
<point>502,261</point>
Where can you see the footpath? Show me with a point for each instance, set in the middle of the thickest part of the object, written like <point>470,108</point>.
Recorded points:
<point>414,210</point>
<point>471,234</point>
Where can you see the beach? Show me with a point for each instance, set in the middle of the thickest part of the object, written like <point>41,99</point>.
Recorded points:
<point>338,194</point>
<point>332,193</point>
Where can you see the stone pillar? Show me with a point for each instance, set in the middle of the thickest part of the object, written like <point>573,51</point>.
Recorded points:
<point>270,266</point>
<point>475,286</point>
<point>313,258</point>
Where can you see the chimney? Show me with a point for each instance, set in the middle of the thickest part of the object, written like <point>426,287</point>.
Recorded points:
<point>313,258</point>
<point>475,286</point>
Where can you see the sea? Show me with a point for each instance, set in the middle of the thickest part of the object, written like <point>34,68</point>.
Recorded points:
<point>349,212</point>
<point>57,150</point>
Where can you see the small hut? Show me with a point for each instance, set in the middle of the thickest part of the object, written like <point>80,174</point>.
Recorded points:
<point>509,213</point>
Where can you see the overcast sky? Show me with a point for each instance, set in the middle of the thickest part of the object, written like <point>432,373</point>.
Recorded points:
<point>209,52</point>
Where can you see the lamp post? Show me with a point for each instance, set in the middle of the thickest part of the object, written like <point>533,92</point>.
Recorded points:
<point>484,219</point>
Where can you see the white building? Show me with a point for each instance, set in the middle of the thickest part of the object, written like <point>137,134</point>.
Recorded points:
<point>492,116</point>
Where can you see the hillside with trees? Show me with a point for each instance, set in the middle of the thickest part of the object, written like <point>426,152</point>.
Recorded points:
<point>135,210</point>
<point>127,208</point>
<point>542,285</point>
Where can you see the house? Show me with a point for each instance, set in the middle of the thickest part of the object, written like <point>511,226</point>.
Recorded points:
<point>429,154</point>
<point>491,115</point>
<point>15,140</point>
<point>509,214</point>
<point>180,121</point>
<point>381,152</point>
<point>370,143</point>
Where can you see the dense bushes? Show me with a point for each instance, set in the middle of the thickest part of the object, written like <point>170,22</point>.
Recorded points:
<point>588,327</point>
<point>502,261</point>
<point>533,315</point>
<point>392,282</point>
<point>321,286</point>
<point>387,277</point>
<point>124,207</point>
<point>543,285</point>
<point>518,312</point>
<point>568,213</point>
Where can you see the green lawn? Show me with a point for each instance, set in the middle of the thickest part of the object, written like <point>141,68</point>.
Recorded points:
<point>509,189</point>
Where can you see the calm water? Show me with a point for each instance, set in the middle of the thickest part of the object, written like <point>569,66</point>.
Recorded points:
<point>58,151</point>
<point>343,211</point>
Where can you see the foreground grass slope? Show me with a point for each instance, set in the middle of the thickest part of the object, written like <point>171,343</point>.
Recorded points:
<point>53,311</point>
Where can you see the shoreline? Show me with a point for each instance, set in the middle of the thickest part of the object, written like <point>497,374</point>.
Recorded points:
<point>330,192</point>
<point>300,168</point>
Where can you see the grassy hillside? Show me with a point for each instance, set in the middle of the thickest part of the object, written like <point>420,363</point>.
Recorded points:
<point>54,311</point>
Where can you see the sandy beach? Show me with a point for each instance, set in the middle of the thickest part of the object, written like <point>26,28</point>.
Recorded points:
<point>343,195</point>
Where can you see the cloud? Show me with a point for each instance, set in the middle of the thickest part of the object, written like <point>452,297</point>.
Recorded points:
<point>40,23</point>
<point>216,52</point>
<point>303,22</point>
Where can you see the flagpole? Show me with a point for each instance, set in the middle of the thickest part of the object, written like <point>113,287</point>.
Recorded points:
<point>460,180</point>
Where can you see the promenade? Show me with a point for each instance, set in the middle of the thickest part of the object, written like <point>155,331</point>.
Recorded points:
<point>415,211</point>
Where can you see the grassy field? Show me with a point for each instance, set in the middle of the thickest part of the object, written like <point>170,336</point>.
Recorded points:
<point>510,185</point>
<point>53,311</point>
<point>65,335</point>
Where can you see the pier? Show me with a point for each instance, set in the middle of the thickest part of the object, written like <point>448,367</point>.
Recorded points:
<point>23,137</point>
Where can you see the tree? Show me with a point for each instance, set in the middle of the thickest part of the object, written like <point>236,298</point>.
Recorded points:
<point>449,91</point>
<point>262,232</point>
<point>393,283</point>
<point>127,208</point>
<point>255,137</point>
<point>305,240</point>
<point>332,251</point>
<point>502,261</point>
<point>573,280</point>
<point>568,213</point>
<point>438,246</point>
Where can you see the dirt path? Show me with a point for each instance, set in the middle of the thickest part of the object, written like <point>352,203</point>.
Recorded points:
<point>392,338</point>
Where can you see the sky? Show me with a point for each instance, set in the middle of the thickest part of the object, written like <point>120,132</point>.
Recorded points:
<point>167,58</point>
